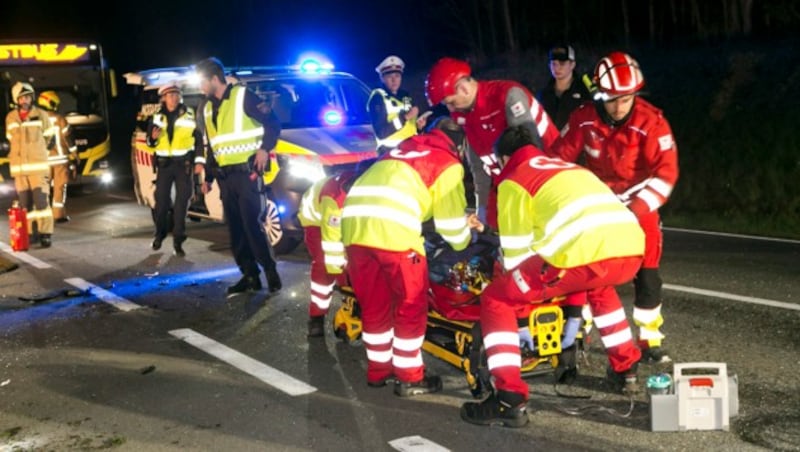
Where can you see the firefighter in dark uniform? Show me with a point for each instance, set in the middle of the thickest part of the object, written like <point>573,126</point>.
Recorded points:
<point>242,132</point>
<point>172,134</point>
<point>391,112</point>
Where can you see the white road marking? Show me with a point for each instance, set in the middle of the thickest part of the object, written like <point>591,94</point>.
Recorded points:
<point>25,257</point>
<point>263,372</point>
<point>730,296</point>
<point>738,236</point>
<point>416,444</point>
<point>118,302</point>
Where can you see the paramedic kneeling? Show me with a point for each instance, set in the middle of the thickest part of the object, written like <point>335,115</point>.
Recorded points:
<point>562,231</point>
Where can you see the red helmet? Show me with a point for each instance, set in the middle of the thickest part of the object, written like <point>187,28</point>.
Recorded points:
<point>618,74</point>
<point>442,78</point>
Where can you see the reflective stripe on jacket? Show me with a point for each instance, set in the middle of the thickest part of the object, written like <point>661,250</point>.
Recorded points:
<point>182,135</point>
<point>500,104</point>
<point>637,159</point>
<point>562,212</point>
<point>236,136</point>
<point>392,128</point>
<point>422,179</point>
<point>28,146</point>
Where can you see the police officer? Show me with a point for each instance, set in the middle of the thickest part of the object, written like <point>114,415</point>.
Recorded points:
<point>25,127</point>
<point>172,134</point>
<point>63,157</point>
<point>242,131</point>
<point>390,108</point>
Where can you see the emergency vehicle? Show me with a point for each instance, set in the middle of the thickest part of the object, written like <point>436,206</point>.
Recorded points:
<point>79,74</point>
<point>325,129</point>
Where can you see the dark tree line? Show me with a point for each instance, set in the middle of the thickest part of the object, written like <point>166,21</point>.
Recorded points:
<point>491,27</point>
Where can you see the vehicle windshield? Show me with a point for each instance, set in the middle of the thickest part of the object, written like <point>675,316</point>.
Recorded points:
<point>301,102</point>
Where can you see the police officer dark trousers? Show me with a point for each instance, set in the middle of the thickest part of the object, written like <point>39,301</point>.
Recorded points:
<point>173,134</point>
<point>169,171</point>
<point>242,131</point>
<point>242,192</point>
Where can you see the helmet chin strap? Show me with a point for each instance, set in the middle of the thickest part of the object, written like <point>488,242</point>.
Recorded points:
<point>601,111</point>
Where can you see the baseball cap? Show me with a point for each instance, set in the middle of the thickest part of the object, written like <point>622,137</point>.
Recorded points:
<point>562,53</point>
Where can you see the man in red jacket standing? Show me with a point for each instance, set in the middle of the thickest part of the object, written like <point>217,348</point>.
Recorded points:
<point>485,109</point>
<point>629,145</point>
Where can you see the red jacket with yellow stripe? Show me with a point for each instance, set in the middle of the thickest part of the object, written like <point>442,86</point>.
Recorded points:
<point>562,212</point>
<point>420,180</point>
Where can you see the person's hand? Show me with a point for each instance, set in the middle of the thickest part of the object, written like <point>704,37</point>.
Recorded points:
<point>206,187</point>
<point>261,160</point>
<point>199,168</point>
<point>155,132</point>
<point>474,222</point>
<point>421,122</point>
<point>413,113</point>
<point>525,338</point>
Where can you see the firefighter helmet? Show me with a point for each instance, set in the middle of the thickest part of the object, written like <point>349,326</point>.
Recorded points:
<point>618,74</point>
<point>392,63</point>
<point>171,87</point>
<point>49,100</point>
<point>20,89</point>
<point>442,79</point>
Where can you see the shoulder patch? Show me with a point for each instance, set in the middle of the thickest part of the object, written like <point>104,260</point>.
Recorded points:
<point>665,142</point>
<point>461,120</point>
<point>517,109</point>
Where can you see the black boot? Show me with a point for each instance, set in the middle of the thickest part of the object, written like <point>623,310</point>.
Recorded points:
<point>45,240</point>
<point>504,408</point>
<point>274,280</point>
<point>246,284</point>
<point>177,246</point>
<point>428,384</point>
<point>156,245</point>
<point>316,326</point>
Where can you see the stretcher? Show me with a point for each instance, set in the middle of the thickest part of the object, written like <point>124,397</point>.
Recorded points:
<point>453,329</point>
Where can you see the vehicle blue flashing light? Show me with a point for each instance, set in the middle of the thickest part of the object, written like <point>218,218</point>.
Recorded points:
<point>314,66</point>
<point>332,117</point>
<point>281,209</point>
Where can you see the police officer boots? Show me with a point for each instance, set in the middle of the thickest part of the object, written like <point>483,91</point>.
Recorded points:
<point>246,284</point>
<point>273,280</point>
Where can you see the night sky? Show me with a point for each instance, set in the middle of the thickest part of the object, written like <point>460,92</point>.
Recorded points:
<point>356,35</point>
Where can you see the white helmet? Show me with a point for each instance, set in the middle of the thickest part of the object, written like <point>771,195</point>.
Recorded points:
<point>20,89</point>
<point>392,63</point>
<point>171,87</point>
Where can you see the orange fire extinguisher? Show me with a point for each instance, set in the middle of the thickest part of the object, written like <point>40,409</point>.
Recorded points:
<point>18,227</point>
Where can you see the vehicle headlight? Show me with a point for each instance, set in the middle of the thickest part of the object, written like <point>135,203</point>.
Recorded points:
<point>310,170</point>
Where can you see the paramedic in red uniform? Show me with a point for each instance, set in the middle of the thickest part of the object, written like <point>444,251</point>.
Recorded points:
<point>320,214</point>
<point>628,144</point>
<point>382,220</point>
<point>485,109</point>
<point>562,232</point>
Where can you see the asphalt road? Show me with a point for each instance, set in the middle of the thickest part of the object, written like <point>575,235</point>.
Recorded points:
<point>105,344</point>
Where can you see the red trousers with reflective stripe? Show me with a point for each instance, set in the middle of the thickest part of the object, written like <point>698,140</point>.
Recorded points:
<point>319,275</point>
<point>391,288</point>
<point>534,281</point>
